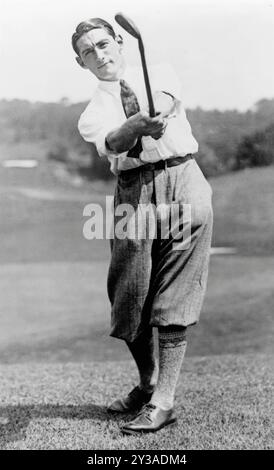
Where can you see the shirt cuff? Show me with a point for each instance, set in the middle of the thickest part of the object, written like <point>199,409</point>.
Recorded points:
<point>104,149</point>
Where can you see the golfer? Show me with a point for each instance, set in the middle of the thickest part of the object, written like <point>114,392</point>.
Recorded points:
<point>150,282</point>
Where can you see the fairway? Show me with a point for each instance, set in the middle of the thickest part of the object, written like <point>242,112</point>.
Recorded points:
<point>42,218</point>
<point>60,311</point>
<point>54,304</point>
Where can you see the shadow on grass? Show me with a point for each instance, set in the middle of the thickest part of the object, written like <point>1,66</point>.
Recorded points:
<point>14,420</point>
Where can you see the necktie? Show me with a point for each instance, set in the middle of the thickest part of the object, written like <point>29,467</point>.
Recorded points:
<point>131,107</point>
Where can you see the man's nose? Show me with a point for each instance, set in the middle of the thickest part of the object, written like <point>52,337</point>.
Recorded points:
<point>99,54</point>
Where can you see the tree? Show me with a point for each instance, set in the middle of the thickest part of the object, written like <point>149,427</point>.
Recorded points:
<point>256,149</point>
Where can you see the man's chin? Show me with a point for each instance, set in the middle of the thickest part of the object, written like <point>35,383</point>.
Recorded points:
<point>108,77</point>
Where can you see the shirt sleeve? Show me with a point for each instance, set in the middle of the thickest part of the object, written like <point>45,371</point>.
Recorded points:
<point>166,80</point>
<point>92,130</point>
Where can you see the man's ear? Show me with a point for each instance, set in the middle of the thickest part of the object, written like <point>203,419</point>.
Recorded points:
<point>120,41</point>
<point>80,62</point>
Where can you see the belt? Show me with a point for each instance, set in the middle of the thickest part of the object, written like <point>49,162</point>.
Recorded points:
<point>160,165</point>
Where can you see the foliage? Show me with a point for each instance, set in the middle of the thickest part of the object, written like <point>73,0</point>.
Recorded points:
<point>226,138</point>
<point>256,149</point>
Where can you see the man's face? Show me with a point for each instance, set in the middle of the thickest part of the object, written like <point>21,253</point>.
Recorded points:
<point>101,54</point>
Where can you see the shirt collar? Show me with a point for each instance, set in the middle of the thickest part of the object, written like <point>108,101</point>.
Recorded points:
<point>114,88</point>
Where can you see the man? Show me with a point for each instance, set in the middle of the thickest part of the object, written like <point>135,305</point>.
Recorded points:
<point>150,282</point>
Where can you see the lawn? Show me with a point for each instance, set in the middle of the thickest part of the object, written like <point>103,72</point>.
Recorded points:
<point>244,206</point>
<point>222,402</point>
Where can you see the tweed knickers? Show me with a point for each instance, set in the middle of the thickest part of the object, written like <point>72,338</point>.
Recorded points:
<point>150,282</point>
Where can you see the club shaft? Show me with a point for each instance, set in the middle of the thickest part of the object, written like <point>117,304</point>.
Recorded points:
<point>146,77</point>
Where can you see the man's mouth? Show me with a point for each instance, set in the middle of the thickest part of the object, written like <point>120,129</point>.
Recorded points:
<point>103,65</point>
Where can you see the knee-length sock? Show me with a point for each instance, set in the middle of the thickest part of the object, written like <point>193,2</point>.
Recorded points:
<point>172,347</point>
<point>142,350</point>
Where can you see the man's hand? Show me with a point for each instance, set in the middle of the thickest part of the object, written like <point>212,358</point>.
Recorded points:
<point>125,137</point>
<point>143,124</point>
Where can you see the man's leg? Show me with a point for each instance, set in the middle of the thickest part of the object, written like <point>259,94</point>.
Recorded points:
<point>142,350</point>
<point>172,347</point>
<point>159,411</point>
<point>128,286</point>
<point>178,283</point>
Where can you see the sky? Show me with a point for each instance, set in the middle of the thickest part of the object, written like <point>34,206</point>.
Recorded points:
<point>222,50</point>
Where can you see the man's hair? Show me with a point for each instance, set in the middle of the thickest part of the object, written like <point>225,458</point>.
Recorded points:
<point>86,26</point>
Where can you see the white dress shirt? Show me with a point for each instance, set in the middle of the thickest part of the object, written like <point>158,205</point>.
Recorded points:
<point>105,112</point>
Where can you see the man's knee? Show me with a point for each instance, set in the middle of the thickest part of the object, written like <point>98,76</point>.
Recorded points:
<point>202,214</point>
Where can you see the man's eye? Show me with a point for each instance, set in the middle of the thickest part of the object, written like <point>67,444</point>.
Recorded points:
<point>104,44</point>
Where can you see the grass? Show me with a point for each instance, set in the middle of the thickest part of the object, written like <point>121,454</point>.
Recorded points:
<point>60,311</point>
<point>221,403</point>
<point>243,207</point>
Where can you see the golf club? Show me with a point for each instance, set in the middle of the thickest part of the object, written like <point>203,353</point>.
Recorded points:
<point>132,29</point>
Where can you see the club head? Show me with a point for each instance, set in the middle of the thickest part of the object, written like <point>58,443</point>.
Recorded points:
<point>128,25</point>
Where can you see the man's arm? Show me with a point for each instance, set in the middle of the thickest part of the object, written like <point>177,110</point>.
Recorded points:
<point>125,137</point>
<point>117,141</point>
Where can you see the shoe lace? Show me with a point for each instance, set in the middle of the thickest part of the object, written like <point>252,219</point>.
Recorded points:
<point>146,411</point>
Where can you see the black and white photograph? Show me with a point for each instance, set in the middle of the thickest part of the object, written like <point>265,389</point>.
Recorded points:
<point>137,228</point>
